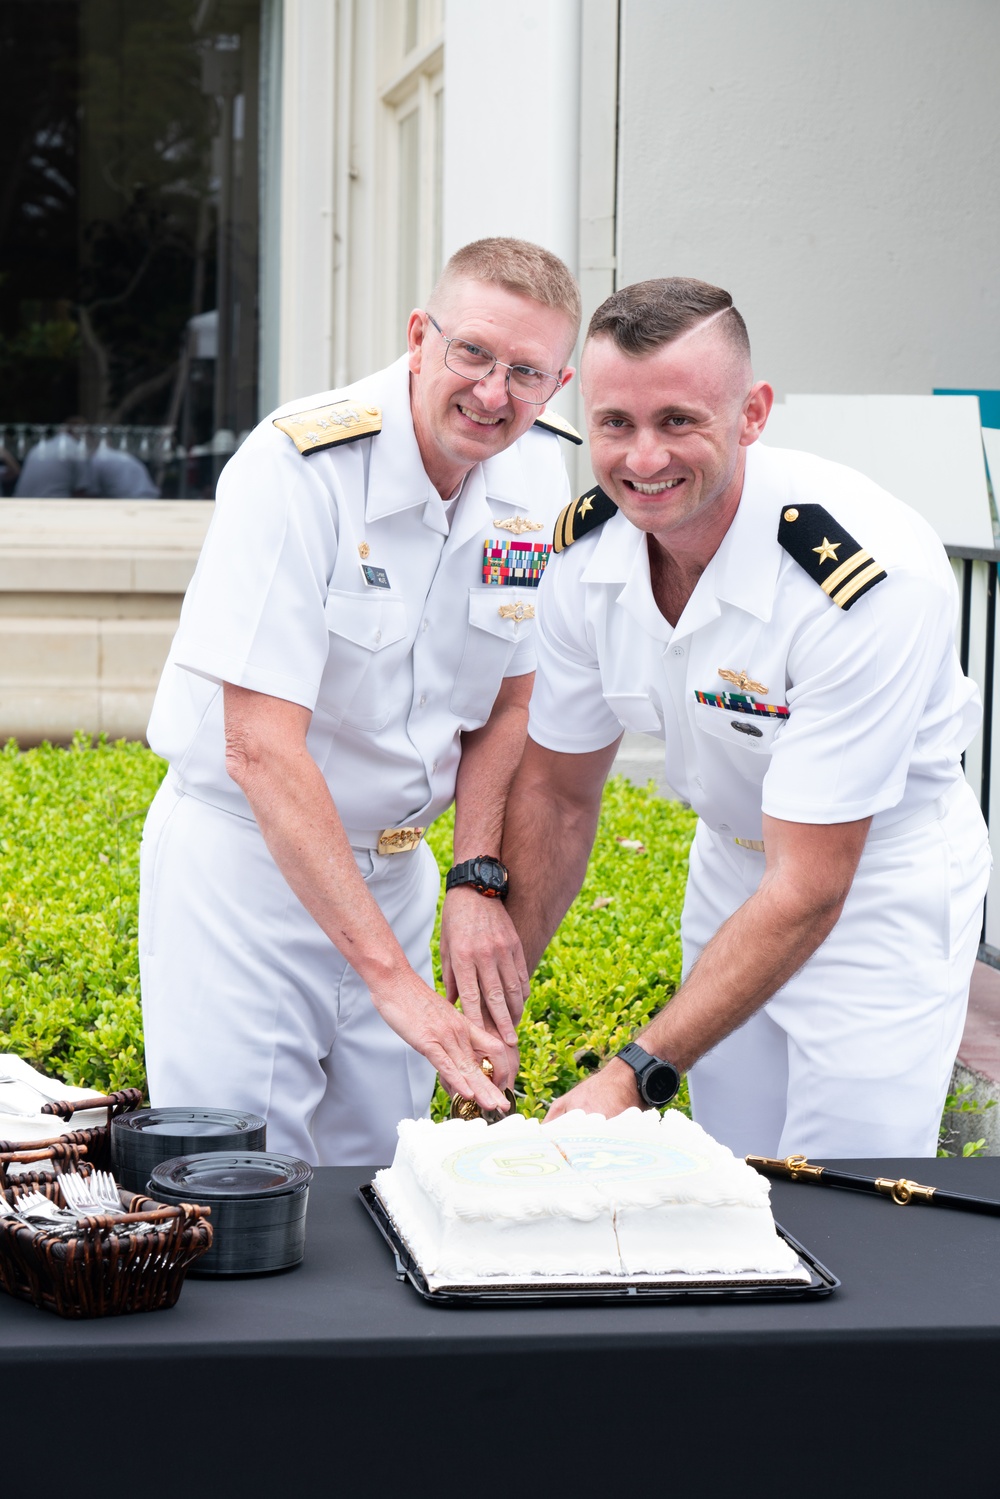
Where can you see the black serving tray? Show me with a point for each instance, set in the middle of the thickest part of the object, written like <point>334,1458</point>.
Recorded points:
<point>821,1281</point>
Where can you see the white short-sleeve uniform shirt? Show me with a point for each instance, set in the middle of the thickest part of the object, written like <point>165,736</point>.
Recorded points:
<point>246,1003</point>
<point>392,671</point>
<point>868,715</point>
<point>878,710</point>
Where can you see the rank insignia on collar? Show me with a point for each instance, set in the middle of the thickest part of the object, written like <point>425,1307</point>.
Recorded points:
<point>830,555</point>
<point>561,428</point>
<point>515,563</point>
<point>325,426</point>
<point>517,524</point>
<point>580,516</point>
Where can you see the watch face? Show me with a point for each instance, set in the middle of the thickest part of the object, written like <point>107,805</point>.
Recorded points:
<point>490,874</point>
<point>660,1083</point>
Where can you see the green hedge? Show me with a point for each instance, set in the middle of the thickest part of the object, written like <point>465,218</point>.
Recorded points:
<point>616,959</point>
<point>70,823</point>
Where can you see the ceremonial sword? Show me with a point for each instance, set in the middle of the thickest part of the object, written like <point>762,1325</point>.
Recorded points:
<point>902,1191</point>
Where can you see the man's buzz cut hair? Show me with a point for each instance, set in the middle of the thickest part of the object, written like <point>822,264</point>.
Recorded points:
<point>649,314</point>
<point>519,266</point>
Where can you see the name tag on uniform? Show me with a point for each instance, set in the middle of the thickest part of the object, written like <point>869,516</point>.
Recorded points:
<point>741,702</point>
<point>515,564</point>
<point>375,577</point>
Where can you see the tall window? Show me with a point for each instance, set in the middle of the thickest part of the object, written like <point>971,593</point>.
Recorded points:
<point>129,227</point>
<point>412,95</point>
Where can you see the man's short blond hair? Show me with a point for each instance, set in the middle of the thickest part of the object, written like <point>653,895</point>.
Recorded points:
<point>519,266</point>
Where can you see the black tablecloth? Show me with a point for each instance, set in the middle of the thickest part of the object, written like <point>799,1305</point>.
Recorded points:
<point>335,1373</point>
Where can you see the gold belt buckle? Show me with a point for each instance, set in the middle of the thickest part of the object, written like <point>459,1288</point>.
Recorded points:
<point>398,840</point>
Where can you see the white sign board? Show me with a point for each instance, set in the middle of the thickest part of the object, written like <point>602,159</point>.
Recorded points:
<point>991,442</point>
<point>927,450</point>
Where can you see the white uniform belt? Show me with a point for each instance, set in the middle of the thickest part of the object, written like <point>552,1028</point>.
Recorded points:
<point>380,840</point>
<point>931,812</point>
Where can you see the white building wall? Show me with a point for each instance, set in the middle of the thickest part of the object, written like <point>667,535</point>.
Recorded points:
<point>307,197</point>
<point>511,90</point>
<point>834,166</point>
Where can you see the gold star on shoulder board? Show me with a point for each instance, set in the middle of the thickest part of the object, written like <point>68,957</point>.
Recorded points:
<point>828,551</point>
<point>587,503</point>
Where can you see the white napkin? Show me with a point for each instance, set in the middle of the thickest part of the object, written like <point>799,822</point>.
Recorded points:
<point>29,1125</point>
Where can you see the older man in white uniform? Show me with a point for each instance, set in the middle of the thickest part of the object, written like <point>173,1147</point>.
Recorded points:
<point>354,653</point>
<point>787,628</point>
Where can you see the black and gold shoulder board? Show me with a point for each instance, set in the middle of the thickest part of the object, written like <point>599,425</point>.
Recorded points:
<point>553,423</point>
<point>580,516</point>
<point>326,426</point>
<point>840,565</point>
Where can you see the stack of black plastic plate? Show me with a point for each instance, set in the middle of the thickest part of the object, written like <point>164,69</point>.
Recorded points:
<point>258,1204</point>
<point>141,1140</point>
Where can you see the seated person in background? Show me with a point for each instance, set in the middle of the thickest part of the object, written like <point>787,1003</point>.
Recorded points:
<point>114,474</point>
<point>54,468</point>
<point>9,470</point>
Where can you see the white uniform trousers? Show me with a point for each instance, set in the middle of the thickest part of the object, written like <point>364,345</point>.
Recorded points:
<point>853,1056</point>
<point>248,1005</point>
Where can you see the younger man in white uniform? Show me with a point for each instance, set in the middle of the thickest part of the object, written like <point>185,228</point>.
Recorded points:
<point>788,629</point>
<point>354,653</point>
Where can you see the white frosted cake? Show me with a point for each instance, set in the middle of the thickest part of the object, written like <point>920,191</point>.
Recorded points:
<point>641,1196</point>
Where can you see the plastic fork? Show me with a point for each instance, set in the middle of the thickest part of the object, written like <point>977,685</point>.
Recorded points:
<point>35,1208</point>
<point>80,1196</point>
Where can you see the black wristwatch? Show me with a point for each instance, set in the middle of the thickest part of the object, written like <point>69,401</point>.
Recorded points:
<point>484,874</point>
<point>657,1079</point>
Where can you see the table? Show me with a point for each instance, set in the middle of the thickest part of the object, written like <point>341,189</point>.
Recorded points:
<point>884,1388</point>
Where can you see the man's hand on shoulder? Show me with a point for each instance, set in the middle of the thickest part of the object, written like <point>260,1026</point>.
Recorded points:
<point>482,961</point>
<point>610,1091</point>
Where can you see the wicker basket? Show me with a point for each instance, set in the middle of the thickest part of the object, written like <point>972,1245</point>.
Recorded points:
<point>100,1272</point>
<point>96,1139</point>
<point>48,1158</point>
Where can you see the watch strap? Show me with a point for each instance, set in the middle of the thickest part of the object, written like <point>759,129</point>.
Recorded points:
<point>642,1064</point>
<point>469,873</point>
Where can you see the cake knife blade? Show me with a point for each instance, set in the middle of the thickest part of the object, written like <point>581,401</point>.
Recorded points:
<point>900,1189</point>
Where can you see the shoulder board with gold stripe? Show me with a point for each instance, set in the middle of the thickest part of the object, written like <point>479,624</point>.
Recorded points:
<point>326,426</point>
<point>829,554</point>
<point>553,423</point>
<point>580,516</point>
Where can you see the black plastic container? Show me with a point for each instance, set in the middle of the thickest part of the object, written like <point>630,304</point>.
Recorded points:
<point>141,1140</point>
<point>258,1204</point>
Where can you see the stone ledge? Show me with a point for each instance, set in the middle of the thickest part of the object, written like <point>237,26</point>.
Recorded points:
<point>102,546</point>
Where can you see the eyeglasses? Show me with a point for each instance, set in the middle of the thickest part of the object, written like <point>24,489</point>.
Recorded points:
<point>474,363</point>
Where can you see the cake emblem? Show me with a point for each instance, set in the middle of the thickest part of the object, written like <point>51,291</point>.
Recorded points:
<point>507,1164</point>
<point>624,1160</point>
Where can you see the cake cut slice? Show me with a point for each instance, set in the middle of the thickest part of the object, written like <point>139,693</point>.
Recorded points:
<point>682,1203</point>
<point>474,1200</point>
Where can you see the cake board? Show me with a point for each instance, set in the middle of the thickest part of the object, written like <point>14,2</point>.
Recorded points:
<point>609,1290</point>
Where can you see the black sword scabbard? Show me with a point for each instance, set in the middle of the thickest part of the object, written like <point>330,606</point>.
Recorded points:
<point>901,1190</point>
